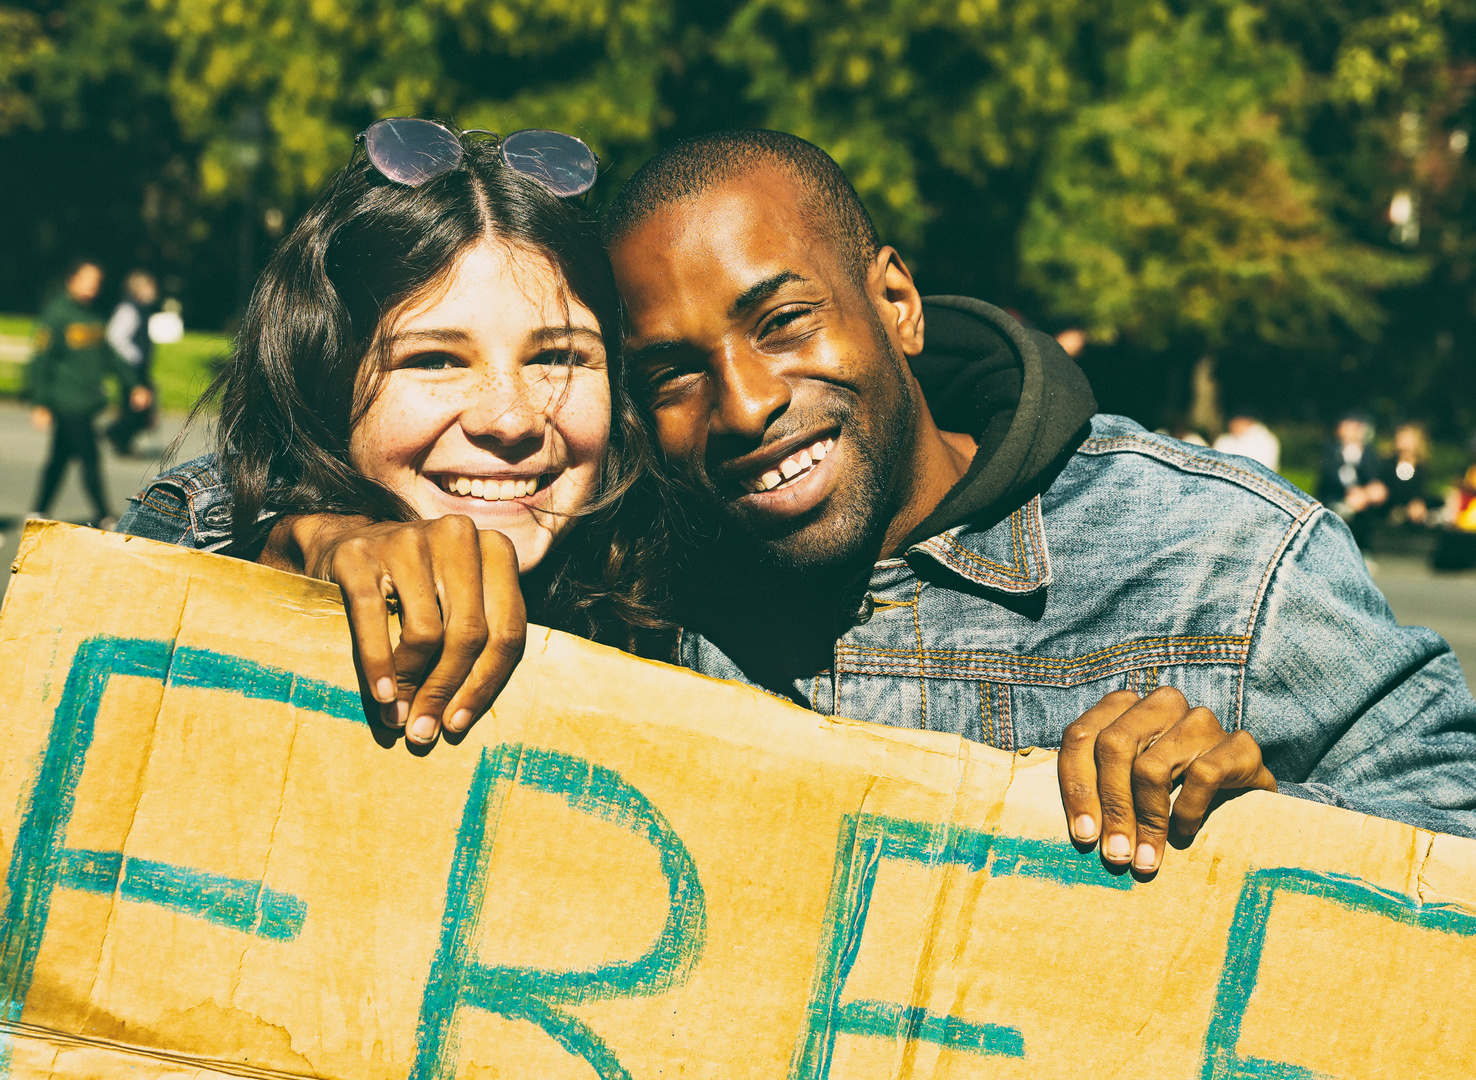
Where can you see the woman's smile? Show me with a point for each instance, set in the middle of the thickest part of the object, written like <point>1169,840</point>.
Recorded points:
<point>494,488</point>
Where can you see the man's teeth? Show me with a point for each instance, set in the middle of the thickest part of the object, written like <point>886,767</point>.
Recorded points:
<point>491,490</point>
<point>791,468</point>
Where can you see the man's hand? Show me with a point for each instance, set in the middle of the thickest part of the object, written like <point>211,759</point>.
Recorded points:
<point>140,398</point>
<point>462,621</point>
<point>41,418</point>
<point>1119,763</point>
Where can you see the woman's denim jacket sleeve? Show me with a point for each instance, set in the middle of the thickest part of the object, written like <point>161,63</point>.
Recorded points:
<point>189,506</point>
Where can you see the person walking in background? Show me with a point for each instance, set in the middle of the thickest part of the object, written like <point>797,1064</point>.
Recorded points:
<point>1248,437</point>
<point>1406,478</point>
<point>64,382</point>
<point>1349,482</point>
<point>128,334</point>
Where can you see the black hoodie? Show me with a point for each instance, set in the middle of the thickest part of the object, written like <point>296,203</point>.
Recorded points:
<point>1014,389</point>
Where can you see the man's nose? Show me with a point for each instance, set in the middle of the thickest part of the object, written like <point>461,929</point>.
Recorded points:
<point>503,407</point>
<point>750,395</point>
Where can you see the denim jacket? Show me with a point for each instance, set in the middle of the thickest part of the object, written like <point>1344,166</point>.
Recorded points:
<point>1150,562</point>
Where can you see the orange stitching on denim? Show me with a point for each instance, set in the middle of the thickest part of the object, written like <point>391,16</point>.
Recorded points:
<point>1007,717</point>
<point>986,720</point>
<point>1021,571</point>
<point>959,549</point>
<point>900,663</point>
<point>166,507</point>
<point>1003,676</point>
<point>1141,644</point>
<point>856,658</point>
<point>922,682</point>
<point>1255,612</point>
<point>1252,480</point>
<point>1037,526</point>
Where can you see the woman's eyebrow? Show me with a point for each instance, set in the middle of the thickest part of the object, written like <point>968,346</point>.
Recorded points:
<point>559,333</point>
<point>447,336</point>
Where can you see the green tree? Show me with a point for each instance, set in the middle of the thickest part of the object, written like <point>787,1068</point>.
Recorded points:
<point>1181,210</point>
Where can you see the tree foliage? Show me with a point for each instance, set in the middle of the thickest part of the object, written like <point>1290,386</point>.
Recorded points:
<point>1174,175</point>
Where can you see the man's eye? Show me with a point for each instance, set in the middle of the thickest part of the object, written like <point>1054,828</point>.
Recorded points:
<point>783,320</point>
<point>665,384</point>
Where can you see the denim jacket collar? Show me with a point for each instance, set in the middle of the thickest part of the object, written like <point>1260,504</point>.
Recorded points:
<point>1010,556</point>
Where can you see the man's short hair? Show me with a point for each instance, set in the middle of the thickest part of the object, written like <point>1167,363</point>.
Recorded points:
<point>833,209</point>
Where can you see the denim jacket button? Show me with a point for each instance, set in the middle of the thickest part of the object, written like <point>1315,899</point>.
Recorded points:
<point>218,517</point>
<point>864,610</point>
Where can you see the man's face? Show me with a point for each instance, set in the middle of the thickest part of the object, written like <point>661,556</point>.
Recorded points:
<point>776,380</point>
<point>85,283</point>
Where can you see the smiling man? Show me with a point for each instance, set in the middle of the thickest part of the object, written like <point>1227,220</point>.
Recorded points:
<point>919,521</point>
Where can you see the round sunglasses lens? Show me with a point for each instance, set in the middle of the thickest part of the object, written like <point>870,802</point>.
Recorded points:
<point>411,151</point>
<point>559,162</point>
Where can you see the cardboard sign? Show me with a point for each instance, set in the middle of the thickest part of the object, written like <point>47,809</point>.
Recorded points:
<point>215,868</point>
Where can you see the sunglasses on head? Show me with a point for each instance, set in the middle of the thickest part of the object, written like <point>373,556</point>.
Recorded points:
<point>411,151</point>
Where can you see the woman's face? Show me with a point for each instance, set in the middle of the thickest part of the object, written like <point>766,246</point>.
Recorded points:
<point>495,401</point>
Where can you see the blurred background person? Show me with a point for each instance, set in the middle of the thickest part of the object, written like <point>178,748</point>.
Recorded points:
<point>1349,482</point>
<point>1248,437</point>
<point>1456,546</point>
<point>1073,340</point>
<point>1406,477</point>
<point>64,382</point>
<point>128,334</point>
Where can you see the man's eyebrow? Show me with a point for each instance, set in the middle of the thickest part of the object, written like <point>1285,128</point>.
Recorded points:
<point>760,291</point>
<point>652,353</point>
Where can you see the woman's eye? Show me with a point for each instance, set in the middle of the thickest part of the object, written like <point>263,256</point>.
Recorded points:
<point>558,357</point>
<point>430,361</point>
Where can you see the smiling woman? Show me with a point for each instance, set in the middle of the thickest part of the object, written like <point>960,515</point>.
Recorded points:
<point>490,404</point>
<point>427,389</point>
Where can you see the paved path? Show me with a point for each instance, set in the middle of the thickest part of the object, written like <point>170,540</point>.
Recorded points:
<point>23,451</point>
<point>1447,603</point>
<point>1444,602</point>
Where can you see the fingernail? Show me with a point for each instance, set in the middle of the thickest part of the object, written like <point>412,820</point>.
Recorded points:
<point>402,713</point>
<point>424,729</point>
<point>384,689</point>
<point>1117,847</point>
<point>1085,829</point>
<point>1146,858</point>
<point>460,720</point>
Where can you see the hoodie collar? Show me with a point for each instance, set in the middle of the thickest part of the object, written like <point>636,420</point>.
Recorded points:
<point>1026,402</point>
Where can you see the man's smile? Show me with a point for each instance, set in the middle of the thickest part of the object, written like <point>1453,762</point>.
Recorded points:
<point>789,469</point>
<point>790,480</point>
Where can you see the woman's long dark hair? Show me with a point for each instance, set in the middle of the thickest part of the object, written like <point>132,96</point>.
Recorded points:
<point>293,391</point>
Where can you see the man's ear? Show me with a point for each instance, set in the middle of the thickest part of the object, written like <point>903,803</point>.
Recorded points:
<point>896,299</point>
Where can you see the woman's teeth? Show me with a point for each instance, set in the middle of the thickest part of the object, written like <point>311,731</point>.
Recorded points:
<point>790,469</point>
<point>491,490</point>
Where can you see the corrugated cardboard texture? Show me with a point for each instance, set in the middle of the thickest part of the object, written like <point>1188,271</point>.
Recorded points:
<point>214,868</point>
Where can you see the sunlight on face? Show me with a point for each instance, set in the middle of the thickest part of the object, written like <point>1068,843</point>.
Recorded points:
<point>495,401</point>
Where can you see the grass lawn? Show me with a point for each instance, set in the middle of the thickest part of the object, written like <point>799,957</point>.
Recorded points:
<point>182,371</point>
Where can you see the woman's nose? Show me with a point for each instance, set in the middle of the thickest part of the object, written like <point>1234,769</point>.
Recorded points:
<point>505,408</point>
